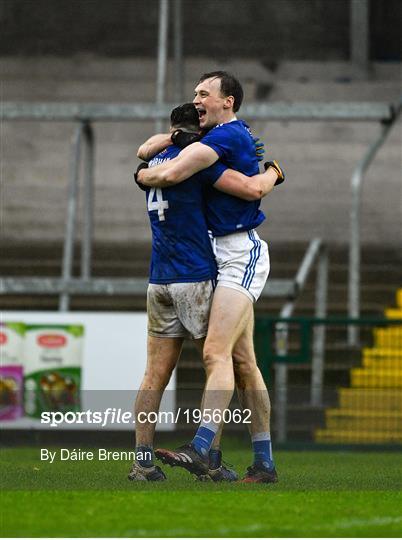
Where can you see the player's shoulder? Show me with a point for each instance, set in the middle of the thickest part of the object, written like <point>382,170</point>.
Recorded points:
<point>245,127</point>
<point>220,132</point>
<point>236,126</point>
<point>167,154</point>
<point>227,126</point>
<point>241,128</point>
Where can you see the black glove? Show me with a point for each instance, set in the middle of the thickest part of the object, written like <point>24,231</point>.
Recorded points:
<point>275,165</point>
<point>142,165</point>
<point>182,138</point>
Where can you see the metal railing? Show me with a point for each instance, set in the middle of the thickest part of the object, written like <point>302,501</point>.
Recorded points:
<point>355,219</point>
<point>83,132</point>
<point>115,112</point>
<point>316,252</point>
<point>275,288</point>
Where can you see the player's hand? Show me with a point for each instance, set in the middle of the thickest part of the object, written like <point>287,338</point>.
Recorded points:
<point>142,165</point>
<point>259,148</point>
<point>182,138</point>
<point>279,171</point>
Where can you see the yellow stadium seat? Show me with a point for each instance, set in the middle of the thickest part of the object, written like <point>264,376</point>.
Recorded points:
<point>376,378</point>
<point>382,353</point>
<point>370,399</point>
<point>391,338</point>
<point>387,363</point>
<point>399,298</point>
<point>356,437</point>
<point>393,313</point>
<point>355,419</point>
<point>370,411</point>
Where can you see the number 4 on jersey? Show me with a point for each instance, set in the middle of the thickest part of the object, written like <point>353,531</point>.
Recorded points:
<point>158,204</point>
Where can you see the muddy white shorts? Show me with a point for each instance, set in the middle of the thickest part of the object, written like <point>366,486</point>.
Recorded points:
<point>179,309</point>
<point>243,262</point>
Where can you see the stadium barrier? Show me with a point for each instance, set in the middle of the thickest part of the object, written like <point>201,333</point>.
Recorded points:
<point>354,227</point>
<point>350,394</point>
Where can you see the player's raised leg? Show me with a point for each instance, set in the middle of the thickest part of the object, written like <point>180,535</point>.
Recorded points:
<point>162,357</point>
<point>253,395</point>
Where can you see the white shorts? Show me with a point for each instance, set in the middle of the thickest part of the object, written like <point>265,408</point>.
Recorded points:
<point>243,262</point>
<point>179,309</point>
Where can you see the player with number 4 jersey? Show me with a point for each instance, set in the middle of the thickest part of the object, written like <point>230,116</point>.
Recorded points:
<point>181,248</point>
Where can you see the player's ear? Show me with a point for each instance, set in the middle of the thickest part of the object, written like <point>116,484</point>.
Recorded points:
<point>228,102</point>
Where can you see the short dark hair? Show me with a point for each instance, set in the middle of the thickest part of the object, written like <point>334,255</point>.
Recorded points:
<point>185,116</point>
<point>230,86</point>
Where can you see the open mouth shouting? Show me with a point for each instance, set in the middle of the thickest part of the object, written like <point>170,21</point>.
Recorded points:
<point>201,113</point>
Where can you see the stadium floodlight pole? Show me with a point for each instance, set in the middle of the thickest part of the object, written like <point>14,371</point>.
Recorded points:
<point>162,57</point>
<point>178,51</point>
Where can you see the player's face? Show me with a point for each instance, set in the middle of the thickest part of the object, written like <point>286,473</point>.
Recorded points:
<point>210,104</point>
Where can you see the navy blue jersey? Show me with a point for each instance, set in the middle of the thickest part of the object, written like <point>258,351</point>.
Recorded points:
<point>181,248</point>
<point>233,142</point>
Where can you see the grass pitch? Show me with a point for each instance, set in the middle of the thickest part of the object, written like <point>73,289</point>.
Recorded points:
<point>336,494</point>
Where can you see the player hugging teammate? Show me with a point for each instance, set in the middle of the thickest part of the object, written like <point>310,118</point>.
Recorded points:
<point>204,176</point>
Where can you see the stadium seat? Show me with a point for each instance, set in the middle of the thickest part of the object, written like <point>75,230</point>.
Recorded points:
<point>370,411</point>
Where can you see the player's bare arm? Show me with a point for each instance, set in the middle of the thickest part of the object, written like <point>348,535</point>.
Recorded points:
<point>249,188</point>
<point>191,160</point>
<point>154,145</point>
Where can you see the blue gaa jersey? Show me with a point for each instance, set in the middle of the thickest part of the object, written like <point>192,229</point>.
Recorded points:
<point>226,214</point>
<point>181,247</point>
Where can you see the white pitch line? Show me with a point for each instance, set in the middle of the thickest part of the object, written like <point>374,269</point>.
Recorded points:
<point>343,524</point>
<point>385,520</point>
<point>183,531</point>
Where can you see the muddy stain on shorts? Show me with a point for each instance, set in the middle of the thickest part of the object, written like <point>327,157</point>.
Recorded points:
<point>179,309</point>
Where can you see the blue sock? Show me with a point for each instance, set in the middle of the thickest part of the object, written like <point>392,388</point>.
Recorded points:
<point>144,456</point>
<point>204,438</point>
<point>215,458</point>
<point>262,449</point>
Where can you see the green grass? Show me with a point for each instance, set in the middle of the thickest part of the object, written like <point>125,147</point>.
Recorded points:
<point>319,494</point>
